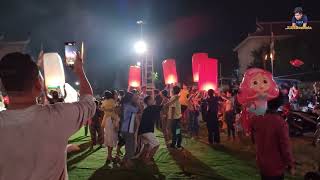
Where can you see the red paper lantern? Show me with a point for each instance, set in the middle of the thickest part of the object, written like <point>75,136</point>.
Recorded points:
<point>197,58</point>
<point>208,74</point>
<point>169,71</point>
<point>134,76</point>
<point>296,62</point>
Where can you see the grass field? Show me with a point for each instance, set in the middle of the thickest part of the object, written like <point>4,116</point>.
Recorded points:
<point>197,161</point>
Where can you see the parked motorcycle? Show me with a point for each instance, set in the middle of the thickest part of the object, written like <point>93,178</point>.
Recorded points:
<point>300,122</point>
<point>316,139</point>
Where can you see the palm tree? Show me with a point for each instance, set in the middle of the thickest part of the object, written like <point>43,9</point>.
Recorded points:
<point>259,57</point>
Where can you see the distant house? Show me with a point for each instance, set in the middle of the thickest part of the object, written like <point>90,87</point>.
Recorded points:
<point>11,46</point>
<point>262,37</point>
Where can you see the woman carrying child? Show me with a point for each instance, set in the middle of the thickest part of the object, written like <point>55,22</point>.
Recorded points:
<point>110,123</point>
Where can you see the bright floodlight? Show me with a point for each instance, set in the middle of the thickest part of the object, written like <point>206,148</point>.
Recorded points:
<point>140,22</point>
<point>138,63</point>
<point>140,47</point>
<point>77,83</point>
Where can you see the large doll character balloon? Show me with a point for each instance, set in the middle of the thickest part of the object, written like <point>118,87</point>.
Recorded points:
<point>256,89</point>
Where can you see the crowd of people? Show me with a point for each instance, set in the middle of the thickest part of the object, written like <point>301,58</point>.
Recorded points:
<point>34,134</point>
<point>128,118</point>
<point>298,98</point>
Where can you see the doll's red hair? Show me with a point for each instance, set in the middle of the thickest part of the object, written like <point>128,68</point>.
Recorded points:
<point>245,92</point>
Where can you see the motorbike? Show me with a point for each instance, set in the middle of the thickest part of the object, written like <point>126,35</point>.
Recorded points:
<point>301,122</point>
<point>316,139</point>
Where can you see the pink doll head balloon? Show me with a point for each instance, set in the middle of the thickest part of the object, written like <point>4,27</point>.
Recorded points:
<point>257,83</point>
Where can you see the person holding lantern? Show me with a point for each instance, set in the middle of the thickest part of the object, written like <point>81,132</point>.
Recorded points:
<point>212,117</point>
<point>131,108</point>
<point>149,117</point>
<point>193,111</point>
<point>184,93</point>
<point>174,115</point>
<point>164,115</point>
<point>119,111</point>
<point>30,146</point>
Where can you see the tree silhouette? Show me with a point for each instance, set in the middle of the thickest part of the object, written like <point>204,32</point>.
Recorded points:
<point>259,57</point>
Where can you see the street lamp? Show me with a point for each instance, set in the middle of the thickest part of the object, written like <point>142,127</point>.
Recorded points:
<point>140,22</point>
<point>140,47</point>
<point>272,61</point>
<point>271,56</point>
<point>77,83</point>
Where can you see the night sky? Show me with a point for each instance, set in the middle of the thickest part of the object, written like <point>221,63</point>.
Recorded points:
<point>175,29</point>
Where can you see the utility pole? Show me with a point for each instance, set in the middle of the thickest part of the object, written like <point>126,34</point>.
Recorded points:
<point>272,52</point>
<point>146,65</point>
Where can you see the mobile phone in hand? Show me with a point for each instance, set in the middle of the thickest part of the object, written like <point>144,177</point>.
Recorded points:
<point>70,53</point>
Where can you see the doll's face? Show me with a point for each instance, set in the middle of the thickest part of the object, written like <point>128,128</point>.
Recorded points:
<point>260,83</point>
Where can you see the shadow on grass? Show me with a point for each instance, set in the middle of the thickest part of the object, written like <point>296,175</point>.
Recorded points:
<point>83,147</point>
<point>140,171</point>
<point>193,167</point>
<point>247,156</point>
<point>77,139</point>
<point>88,152</point>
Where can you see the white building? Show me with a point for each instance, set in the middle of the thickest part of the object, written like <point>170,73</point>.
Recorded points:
<point>262,37</point>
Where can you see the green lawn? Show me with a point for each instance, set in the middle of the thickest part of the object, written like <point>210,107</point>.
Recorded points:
<point>197,161</point>
<point>90,164</point>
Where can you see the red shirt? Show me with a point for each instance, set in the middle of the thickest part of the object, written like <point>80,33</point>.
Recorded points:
<point>273,148</point>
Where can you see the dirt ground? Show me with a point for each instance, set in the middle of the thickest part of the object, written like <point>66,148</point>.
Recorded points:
<point>307,156</point>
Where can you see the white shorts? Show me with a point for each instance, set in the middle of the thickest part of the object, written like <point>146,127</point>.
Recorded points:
<point>149,138</point>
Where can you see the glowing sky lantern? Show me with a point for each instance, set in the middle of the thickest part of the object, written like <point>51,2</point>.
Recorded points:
<point>196,60</point>
<point>53,71</point>
<point>208,74</point>
<point>169,71</point>
<point>134,76</point>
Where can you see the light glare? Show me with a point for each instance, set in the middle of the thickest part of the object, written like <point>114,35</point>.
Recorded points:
<point>140,47</point>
